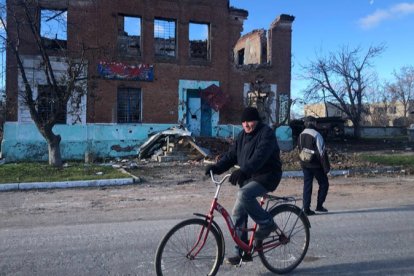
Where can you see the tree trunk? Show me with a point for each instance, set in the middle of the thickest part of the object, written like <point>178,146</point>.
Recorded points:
<point>357,130</point>
<point>55,157</point>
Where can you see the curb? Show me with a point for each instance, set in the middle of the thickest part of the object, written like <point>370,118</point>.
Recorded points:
<point>67,184</point>
<point>289,174</point>
<point>349,172</point>
<point>134,180</point>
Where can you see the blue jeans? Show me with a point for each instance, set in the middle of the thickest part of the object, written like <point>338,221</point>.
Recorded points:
<point>308,175</point>
<point>247,205</point>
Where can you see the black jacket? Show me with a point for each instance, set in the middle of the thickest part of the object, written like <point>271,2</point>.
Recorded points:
<point>258,156</point>
<point>313,140</point>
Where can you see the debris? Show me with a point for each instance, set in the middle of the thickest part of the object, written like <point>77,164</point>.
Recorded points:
<point>137,179</point>
<point>201,150</point>
<point>174,144</point>
<point>156,141</point>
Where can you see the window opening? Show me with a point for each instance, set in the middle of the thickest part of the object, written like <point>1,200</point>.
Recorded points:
<point>53,28</point>
<point>48,104</point>
<point>164,34</point>
<point>129,35</point>
<point>240,56</point>
<point>199,40</point>
<point>129,105</point>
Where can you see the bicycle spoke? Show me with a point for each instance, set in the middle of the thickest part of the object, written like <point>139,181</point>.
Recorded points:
<point>183,252</point>
<point>290,246</point>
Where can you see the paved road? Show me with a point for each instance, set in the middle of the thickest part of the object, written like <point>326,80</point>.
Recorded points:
<point>115,231</point>
<point>348,242</point>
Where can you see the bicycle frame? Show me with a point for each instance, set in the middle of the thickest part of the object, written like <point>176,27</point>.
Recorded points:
<point>198,244</point>
<point>216,206</point>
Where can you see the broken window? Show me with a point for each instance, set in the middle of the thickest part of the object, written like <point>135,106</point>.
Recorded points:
<point>164,37</point>
<point>129,105</point>
<point>53,28</point>
<point>199,41</point>
<point>240,57</point>
<point>48,104</point>
<point>129,35</point>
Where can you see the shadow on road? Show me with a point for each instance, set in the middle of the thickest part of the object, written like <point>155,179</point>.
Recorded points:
<point>383,267</point>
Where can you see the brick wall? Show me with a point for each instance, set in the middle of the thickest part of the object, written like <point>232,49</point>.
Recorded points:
<point>93,25</point>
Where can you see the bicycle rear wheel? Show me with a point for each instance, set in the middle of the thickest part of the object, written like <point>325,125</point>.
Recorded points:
<point>283,253</point>
<point>175,255</point>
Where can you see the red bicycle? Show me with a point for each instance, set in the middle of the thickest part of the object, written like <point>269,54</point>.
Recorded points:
<point>196,246</point>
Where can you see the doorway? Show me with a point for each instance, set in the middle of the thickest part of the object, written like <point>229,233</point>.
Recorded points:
<point>198,114</point>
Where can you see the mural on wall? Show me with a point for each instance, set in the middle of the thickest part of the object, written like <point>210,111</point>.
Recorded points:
<point>214,96</point>
<point>122,71</point>
<point>283,107</point>
<point>197,112</point>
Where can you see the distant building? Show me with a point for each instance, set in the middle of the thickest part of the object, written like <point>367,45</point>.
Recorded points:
<point>150,78</point>
<point>389,114</point>
<point>321,110</point>
<point>377,114</point>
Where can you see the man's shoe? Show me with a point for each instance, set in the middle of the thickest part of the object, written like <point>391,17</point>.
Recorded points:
<point>309,212</point>
<point>236,259</point>
<point>321,209</point>
<point>264,230</point>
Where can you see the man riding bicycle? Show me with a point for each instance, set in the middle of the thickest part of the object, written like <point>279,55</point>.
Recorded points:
<point>257,153</point>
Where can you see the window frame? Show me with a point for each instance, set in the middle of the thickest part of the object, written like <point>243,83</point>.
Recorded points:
<point>207,39</point>
<point>44,109</point>
<point>56,43</point>
<point>128,117</point>
<point>128,39</point>
<point>164,54</point>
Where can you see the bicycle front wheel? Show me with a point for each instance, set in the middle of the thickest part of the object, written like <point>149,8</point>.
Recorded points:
<point>284,251</point>
<point>179,251</point>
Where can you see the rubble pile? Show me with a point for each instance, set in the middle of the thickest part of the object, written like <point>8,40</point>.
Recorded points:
<point>216,146</point>
<point>175,144</point>
<point>339,160</point>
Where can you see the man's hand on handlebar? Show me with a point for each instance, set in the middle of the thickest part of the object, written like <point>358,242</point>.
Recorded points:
<point>212,168</point>
<point>237,177</point>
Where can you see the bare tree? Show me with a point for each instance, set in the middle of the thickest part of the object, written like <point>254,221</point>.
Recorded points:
<point>403,88</point>
<point>380,104</point>
<point>342,79</point>
<point>23,25</point>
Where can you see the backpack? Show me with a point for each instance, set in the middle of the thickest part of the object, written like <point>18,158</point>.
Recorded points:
<point>305,154</point>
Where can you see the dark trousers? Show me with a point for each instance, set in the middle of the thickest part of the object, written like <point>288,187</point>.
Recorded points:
<point>247,205</point>
<point>321,177</point>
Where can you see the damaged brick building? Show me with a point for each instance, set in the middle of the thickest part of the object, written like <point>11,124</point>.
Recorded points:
<point>151,65</point>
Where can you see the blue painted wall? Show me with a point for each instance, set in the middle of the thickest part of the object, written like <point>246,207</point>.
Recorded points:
<point>22,141</point>
<point>283,134</point>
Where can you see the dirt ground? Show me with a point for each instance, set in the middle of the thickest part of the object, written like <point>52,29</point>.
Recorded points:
<point>178,189</point>
<point>177,192</point>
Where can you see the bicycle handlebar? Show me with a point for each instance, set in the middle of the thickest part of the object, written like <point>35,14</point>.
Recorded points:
<point>218,182</point>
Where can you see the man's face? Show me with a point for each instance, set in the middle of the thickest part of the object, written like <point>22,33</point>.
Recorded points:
<point>249,126</point>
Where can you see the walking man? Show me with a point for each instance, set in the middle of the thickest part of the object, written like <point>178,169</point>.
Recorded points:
<point>315,164</point>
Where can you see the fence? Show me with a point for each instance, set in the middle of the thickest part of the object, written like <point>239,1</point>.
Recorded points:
<point>376,132</point>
